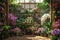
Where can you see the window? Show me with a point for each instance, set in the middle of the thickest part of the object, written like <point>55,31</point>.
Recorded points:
<point>29,4</point>
<point>26,1</point>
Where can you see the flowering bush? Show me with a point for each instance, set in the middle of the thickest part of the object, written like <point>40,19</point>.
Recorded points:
<point>43,31</point>
<point>16,31</point>
<point>12,19</point>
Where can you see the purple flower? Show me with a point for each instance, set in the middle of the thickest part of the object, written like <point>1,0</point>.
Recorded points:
<point>10,15</point>
<point>12,18</point>
<point>55,32</point>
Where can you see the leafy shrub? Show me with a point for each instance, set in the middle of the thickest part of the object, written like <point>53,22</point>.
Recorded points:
<point>6,28</point>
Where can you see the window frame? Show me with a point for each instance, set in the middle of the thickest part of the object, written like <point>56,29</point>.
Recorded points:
<point>29,3</point>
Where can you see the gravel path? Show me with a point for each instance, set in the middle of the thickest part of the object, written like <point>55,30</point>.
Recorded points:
<point>28,37</point>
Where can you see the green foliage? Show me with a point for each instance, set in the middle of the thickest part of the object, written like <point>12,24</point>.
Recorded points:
<point>32,12</point>
<point>20,23</point>
<point>26,11</point>
<point>29,11</point>
<point>46,1</point>
<point>6,27</point>
<point>13,1</point>
<point>46,30</point>
<point>13,8</point>
<point>43,8</point>
<point>42,5</point>
<point>48,24</point>
<point>54,37</point>
<point>5,32</point>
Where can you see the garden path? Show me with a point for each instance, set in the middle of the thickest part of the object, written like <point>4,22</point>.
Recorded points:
<point>28,37</point>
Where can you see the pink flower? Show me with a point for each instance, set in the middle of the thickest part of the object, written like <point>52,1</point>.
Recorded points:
<point>17,29</point>
<point>13,18</point>
<point>40,30</point>
<point>57,23</point>
<point>10,15</point>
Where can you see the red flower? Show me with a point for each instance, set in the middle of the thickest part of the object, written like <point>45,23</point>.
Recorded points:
<point>56,5</point>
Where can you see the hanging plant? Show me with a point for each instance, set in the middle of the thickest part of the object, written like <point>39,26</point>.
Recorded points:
<point>42,5</point>
<point>46,1</point>
<point>14,1</point>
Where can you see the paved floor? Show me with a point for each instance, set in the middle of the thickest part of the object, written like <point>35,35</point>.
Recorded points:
<point>28,37</point>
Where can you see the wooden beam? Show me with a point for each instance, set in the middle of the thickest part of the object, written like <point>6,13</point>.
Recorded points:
<point>51,10</point>
<point>7,11</point>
